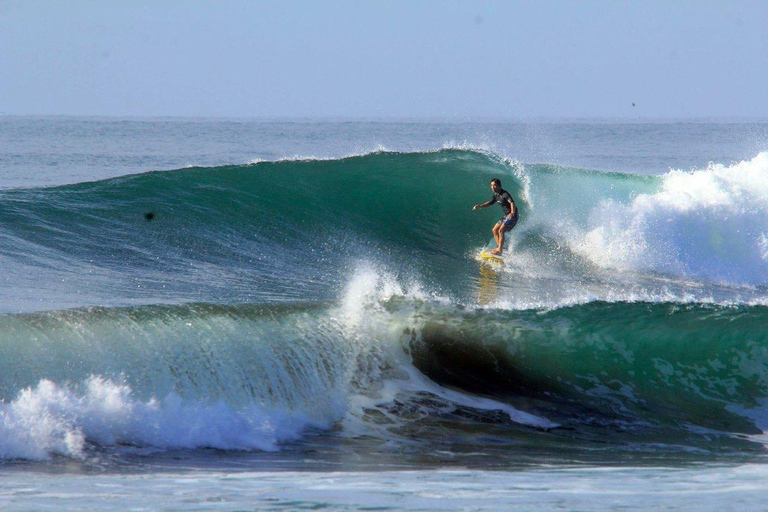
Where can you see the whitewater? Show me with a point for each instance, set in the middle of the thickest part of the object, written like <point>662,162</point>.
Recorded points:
<point>262,306</point>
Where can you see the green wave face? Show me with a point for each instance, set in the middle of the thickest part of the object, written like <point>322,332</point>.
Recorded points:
<point>195,234</point>
<point>300,230</point>
<point>662,362</point>
<point>284,356</point>
<point>388,196</point>
<point>266,228</point>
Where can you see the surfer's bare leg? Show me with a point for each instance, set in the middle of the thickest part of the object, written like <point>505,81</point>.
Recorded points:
<point>501,240</point>
<point>498,235</point>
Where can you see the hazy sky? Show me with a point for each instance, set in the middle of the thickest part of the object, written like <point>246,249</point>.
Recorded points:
<point>385,58</point>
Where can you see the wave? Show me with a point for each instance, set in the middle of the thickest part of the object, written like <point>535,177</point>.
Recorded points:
<point>241,307</point>
<point>192,376</point>
<point>169,376</point>
<point>295,229</point>
<point>256,377</point>
<point>286,230</point>
<point>658,361</point>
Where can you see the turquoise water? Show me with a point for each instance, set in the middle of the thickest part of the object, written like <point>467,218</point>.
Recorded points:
<point>303,303</point>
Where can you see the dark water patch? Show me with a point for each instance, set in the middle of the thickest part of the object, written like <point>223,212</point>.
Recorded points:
<point>663,363</point>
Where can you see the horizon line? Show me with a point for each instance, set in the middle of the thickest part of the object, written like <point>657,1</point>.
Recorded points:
<point>396,118</point>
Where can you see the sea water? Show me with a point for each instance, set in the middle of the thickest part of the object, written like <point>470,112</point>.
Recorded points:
<point>288,314</point>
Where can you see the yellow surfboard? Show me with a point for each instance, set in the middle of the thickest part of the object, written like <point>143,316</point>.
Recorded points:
<point>492,257</point>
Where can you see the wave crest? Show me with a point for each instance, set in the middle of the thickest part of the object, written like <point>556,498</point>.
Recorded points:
<point>707,224</point>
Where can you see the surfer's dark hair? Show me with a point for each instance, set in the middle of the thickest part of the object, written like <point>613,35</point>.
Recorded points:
<point>496,181</point>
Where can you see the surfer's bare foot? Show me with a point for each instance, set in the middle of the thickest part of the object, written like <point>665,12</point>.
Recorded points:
<point>496,251</point>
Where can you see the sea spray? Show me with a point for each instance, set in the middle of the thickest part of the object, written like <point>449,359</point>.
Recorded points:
<point>705,224</point>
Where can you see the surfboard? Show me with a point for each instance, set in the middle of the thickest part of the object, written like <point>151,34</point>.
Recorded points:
<point>491,257</point>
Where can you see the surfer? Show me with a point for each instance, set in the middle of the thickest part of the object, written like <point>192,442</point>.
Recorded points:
<point>510,217</point>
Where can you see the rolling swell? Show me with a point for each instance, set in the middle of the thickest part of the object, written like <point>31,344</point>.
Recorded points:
<point>229,231</point>
<point>397,198</point>
<point>254,377</point>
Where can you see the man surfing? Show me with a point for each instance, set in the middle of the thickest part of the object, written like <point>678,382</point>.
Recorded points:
<point>509,219</point>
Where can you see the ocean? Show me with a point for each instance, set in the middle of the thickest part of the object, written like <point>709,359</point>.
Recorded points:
<point>293,314</point>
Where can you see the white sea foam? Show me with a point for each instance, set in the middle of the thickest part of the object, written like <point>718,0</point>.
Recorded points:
<point>705,224</point>
<point>53,419</point>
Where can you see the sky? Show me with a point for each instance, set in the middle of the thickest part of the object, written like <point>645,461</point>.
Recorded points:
<point>352,59</point>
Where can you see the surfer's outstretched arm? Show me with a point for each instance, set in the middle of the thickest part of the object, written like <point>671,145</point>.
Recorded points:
<point>484,205</point>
